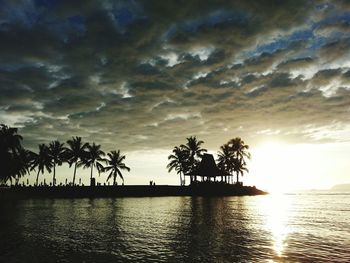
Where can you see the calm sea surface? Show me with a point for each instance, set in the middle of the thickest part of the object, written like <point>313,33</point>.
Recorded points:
<point>274,228</point>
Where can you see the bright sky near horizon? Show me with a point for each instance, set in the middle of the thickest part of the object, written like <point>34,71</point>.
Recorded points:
<point>141,76</point>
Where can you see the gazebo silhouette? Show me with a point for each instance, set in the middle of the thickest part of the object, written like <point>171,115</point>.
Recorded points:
<point>207,169</point>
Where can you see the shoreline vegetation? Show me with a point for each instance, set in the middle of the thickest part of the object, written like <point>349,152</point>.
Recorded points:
<point>188,160</point>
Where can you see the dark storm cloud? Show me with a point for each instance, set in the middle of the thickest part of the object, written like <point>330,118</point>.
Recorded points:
<point>296,63</point>
<point>146,74</point>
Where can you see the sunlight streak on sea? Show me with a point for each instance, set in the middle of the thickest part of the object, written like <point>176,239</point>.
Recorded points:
<point>275,209</point>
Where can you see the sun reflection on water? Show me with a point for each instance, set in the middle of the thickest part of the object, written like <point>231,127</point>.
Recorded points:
<point>276,211</point>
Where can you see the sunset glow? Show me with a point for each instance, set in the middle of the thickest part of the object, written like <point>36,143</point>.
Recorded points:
<point>142,77</point>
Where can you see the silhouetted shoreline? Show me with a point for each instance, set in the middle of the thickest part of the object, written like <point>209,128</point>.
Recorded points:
<point>209,189</point>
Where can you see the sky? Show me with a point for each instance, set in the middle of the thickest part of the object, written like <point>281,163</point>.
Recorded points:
<point>141,76</point>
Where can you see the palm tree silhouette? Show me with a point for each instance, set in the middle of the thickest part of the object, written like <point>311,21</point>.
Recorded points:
<point>194,151</point>
<point>21,163</point>
<point>11,153</point>
<point>225,160</point>
<point>75,153</point>
<point>240,152</point>
<point>42,161</point>
<point>232,157</point>
<point>239,148</point>
<point>239,166</point>
<point>10,140</point>
<point>94,158</point>
<point>115,165</point>
<point>178,162</point>
<point>56,152</point>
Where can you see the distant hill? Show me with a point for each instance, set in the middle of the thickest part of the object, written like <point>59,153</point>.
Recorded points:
<point>341,187</point>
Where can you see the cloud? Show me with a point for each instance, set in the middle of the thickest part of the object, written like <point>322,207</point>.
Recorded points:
<point>146,74</point>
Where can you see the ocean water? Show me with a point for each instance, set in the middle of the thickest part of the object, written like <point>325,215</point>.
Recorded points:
<point>313,227</point>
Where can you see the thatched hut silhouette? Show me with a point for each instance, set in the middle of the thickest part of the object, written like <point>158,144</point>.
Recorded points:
<point>207,169</point>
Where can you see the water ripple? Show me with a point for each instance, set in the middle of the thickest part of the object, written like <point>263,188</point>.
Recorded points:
<point>289,228</point>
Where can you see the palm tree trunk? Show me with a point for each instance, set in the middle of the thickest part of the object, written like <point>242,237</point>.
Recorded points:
<point>237,177</point>
<point>75,170</point>
<point>92,166</point>
<point>180,179</point>
<point>54,174</point>
<point>37,178</point>
<point>114,178</point>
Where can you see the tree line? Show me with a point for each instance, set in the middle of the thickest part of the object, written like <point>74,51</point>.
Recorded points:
<point>185,159</point>
<point>232,157</point>
<point>18,161</point>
